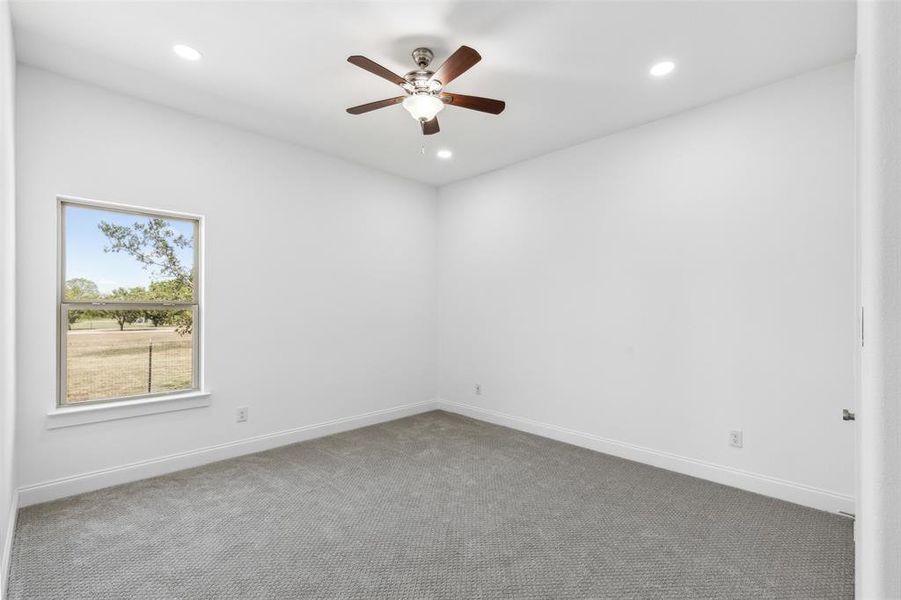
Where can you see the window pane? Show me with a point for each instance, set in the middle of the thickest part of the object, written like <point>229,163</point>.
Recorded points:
<point>124,257</point>
<point>119,353</point>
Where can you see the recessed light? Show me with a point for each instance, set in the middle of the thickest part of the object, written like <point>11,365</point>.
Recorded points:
<point>186,52</point>
<point>663,69</point>
<point>445,154</point>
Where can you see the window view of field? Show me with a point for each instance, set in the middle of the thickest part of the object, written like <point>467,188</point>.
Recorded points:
<point>123,273</point>
<point>105,361</point>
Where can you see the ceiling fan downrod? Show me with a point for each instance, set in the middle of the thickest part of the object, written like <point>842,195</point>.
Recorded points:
<point>423,57</point>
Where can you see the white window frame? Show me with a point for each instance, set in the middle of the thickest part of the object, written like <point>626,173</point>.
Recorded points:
<point>99,410</point>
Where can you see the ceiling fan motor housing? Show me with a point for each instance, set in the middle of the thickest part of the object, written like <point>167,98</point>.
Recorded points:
<point>421,82</point>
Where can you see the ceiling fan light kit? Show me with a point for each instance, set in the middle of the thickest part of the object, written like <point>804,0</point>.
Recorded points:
<point>425,96</point>
<point>422,107</point>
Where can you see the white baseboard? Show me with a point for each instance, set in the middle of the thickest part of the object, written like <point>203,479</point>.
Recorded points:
<point>753,482</point>
<point>7,549</point>
<point>95,480</point>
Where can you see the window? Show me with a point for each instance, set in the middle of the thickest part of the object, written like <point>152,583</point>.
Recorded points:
<point>129,308</point>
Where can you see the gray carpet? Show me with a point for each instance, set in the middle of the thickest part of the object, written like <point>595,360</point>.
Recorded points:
<point>431,506</point>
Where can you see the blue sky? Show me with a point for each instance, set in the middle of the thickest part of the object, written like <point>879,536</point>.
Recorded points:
<point>85,243</point>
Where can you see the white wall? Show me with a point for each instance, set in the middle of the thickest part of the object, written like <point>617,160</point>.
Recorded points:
<point>7,293</point>
<point>643,293</point>
<point>657,288</point>
<point>320,276</point>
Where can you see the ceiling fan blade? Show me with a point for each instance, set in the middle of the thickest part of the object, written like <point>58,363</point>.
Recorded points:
<point>430,127</point>
<point>365,108</point>
<point>458,63</point>
<point>487,105</point>
<point>375,69</point>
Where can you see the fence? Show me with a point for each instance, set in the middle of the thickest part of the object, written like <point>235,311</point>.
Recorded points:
<point>112,364</point>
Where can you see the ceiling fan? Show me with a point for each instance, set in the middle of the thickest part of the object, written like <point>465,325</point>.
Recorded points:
<point>425,96</point>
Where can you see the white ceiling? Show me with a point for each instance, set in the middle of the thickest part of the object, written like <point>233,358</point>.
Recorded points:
<point>569,71</point>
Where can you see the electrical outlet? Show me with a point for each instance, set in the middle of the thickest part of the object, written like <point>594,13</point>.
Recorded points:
<point>736,439</point>
<point>241,416</point>
<point>478,389</point>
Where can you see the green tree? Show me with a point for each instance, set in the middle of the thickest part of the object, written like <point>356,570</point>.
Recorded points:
<point>80,288</point>
<point>126,316</point>
<point>169,290</point>
<point>158,317</point>
<point>154,245</point>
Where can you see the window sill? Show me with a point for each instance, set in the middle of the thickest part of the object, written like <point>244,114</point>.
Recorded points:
<point>96,413</point>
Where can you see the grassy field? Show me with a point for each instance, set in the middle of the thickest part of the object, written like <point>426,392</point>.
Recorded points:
<point>103,362</point>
